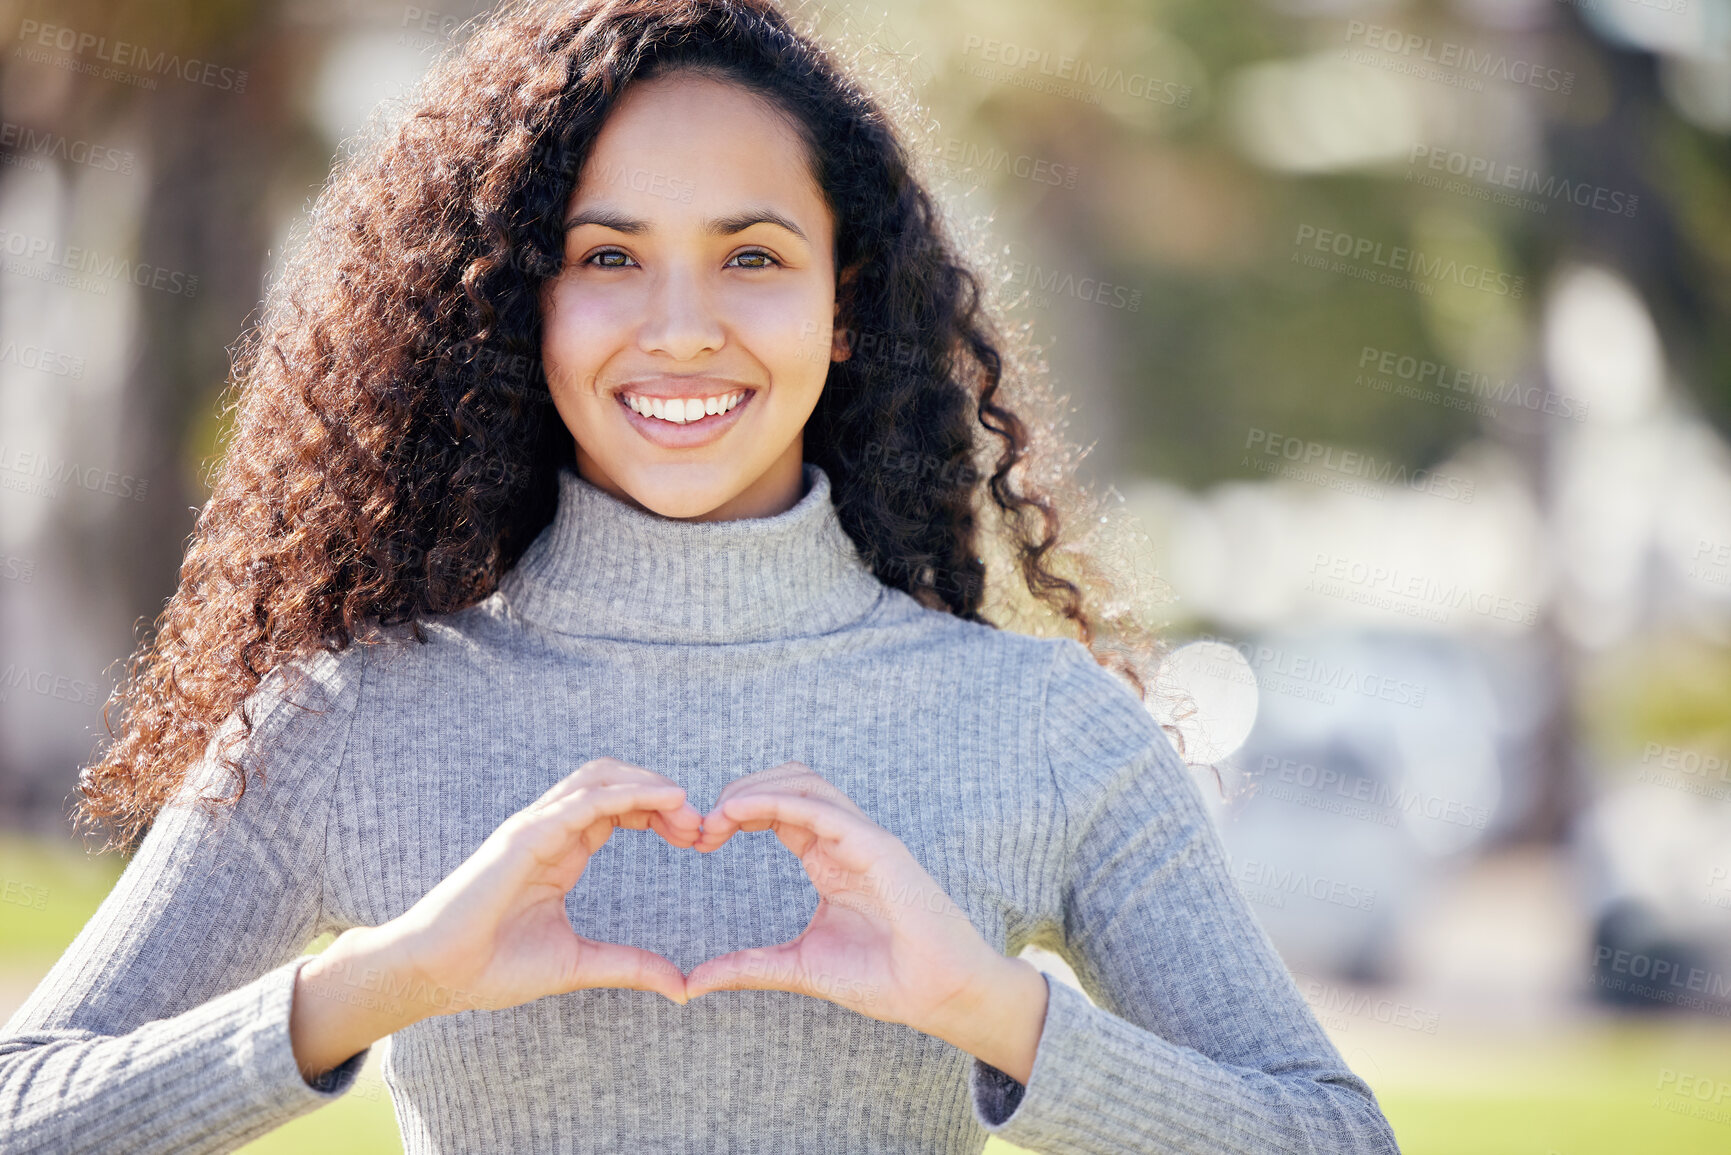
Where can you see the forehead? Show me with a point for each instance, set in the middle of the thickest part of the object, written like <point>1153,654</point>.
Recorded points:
<point>679,141</point>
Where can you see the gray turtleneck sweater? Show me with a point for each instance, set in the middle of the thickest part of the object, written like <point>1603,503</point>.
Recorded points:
<point>1028,780</point>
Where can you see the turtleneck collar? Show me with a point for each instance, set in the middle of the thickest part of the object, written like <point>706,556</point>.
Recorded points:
<point>604,568</point>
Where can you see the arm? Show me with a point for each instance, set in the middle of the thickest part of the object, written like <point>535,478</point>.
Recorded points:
<point>165,1025</point>
<point>1201,1041</point>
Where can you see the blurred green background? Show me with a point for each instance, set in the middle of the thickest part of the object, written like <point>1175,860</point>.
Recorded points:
<point>1253,245</point>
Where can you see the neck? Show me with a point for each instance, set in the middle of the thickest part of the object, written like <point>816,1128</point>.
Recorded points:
<point>776,491</point>
<point>608,568</point>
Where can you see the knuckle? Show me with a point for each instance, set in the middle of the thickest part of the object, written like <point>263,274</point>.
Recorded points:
<point>601,765</point>
<point>514,827</point>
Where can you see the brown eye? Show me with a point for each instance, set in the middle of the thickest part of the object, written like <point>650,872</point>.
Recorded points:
<point>591,258</point>
<point>755,253</point>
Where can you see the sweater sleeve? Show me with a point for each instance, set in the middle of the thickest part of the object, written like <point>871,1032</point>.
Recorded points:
<point>164,1026</point>
<point>1200,1041</point>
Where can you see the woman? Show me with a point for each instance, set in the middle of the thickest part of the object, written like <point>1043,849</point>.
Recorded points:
<point>588,409</point>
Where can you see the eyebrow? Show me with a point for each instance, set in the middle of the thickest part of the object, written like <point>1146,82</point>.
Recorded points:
<point>718,227</point>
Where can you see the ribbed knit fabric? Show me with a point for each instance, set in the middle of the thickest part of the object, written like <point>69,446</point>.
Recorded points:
<point>1030,782</point>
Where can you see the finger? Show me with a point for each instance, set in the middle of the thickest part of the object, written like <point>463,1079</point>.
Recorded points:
<point>822,818</point>
<point>682,828</point>
<point>676,821</point>
<point>727,819</point>
<point>773,775</point>
<point>683,822</point>
<point>851,838</point>
<point>604,771</point>
<point>764,968</point>
<point>788,778</point>
<point>610,964</point>
<point>578,815</point>
<point>632,800</point>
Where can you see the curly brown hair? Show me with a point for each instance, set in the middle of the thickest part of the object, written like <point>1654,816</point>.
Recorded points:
<point>394,447</point>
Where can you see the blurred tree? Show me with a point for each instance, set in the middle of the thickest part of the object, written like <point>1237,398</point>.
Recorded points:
<point>219,153</point>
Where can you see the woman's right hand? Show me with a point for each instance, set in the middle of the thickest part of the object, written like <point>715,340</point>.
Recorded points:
<point>494,933</point>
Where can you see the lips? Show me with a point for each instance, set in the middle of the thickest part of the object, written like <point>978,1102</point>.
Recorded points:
<point>690,435</point>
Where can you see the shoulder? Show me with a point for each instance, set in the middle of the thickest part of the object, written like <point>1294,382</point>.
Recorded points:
<point>1002,669</point>
<point>1059,677</point>
<point>291,730</point>
<point>905,620</point>
<point>306,714</point>
<point>1089,718</point>
<point>1094,726</point>
<point>407,655</point>
<point>320,682</point>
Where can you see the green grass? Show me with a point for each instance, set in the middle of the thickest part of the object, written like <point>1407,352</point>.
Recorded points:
<point>57,877</point>
<point>1608,1087</point>
<point>1593,1089</point>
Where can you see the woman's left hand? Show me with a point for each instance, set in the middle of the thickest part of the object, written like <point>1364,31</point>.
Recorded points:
<point>885,941</point>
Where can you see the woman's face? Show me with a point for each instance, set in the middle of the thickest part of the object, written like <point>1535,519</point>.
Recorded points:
<point>699,271</point>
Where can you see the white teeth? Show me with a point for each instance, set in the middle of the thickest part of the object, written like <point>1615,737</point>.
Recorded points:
<point>681,410</point>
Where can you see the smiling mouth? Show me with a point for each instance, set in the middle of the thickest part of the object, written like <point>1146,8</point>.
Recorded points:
<point>677,411</point>
<point>700,429</point>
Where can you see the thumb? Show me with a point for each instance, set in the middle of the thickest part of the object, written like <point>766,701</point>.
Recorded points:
<point>610,964</point>
<point>764,968</point>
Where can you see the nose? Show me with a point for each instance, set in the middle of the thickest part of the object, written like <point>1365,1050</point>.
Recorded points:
<point>679,318</point>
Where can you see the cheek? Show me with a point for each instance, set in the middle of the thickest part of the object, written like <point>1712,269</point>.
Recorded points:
<point>790,327</point>
<point>579,331</point>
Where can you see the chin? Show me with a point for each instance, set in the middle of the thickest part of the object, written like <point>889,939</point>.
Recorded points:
<point>681,491</point>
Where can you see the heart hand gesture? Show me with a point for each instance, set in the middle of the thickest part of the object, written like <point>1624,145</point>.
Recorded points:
<point>885,941</point>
